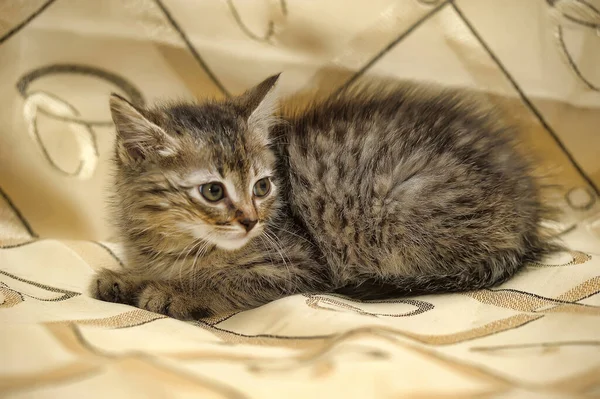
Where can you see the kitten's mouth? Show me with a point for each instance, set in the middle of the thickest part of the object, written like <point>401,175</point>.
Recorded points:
<point>227,238</point>
<point>234,240</point>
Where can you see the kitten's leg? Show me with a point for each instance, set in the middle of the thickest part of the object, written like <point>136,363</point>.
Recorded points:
<point>168,299</point>
<point>234,289</point>
<point>119,287</point>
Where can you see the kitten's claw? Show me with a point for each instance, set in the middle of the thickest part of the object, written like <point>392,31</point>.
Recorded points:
<point>116,291</point>
<point>110,286</point>
<point>159,298</point>
<point>154,299</point>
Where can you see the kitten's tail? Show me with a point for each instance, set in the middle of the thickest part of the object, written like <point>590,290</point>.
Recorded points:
<point>405,286</point>
<point>469,279</point>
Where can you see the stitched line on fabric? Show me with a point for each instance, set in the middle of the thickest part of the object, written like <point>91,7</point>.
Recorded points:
<point>26,22</point>
<point>525,99</point>
<point>191,48</point>
<point>21,244</point>
<point>389,47</point>
<point>66,293</point>
<point>110,252</point>
<point>19,215</point>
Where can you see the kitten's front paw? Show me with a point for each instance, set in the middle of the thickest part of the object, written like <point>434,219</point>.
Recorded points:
<point>163,299</point>
<point>111,286</point>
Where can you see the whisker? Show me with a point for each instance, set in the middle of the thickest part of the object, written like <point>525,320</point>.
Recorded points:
<point>200,252</point>
<point>266,245</point>
<point>181,261</point>
<point>273,240</point>
<point>295,235</point>
<point>191,247</point>
<point>177,259</point>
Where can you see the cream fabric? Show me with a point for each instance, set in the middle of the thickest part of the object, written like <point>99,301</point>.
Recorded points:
<point>536,336</point>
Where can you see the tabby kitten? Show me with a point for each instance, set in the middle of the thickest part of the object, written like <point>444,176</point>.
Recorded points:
<point>225,206</point>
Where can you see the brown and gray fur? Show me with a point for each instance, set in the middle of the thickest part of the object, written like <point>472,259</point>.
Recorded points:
<point>374,194</point>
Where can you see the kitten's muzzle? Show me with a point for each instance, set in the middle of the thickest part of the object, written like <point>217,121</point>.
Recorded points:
<point>248,224</point>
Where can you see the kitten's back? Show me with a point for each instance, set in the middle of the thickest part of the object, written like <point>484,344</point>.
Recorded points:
<point>413,191</point>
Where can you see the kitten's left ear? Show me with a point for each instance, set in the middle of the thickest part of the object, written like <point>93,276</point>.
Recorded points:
<point>261,103</point>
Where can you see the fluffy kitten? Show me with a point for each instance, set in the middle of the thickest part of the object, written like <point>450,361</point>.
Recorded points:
<point>223,206</point>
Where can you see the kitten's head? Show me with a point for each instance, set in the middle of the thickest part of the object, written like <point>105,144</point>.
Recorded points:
<point>205,172</point>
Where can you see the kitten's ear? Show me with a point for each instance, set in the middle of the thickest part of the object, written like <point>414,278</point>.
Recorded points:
<point>261,103</point>
<point>137,137</point>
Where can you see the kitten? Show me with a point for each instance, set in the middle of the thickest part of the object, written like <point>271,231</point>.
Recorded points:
<point>225,206</point>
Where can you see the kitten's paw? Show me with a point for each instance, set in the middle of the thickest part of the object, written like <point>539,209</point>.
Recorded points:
<point>160,298</point>
<point>111,286</point>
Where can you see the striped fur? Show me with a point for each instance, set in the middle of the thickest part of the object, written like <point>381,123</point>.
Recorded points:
<point>375,193</point>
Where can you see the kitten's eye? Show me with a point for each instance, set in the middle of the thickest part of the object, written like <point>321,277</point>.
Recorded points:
<point>212,192</point>
<point>262,187</point>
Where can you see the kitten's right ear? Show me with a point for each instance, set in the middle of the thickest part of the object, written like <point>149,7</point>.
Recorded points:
<point>260,105</point>
<point>137,137</point>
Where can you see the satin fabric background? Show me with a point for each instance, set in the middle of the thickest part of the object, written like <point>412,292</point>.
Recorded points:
<point>60,59</point>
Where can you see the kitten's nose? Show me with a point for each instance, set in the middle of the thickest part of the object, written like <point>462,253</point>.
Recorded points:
<point>248,224</point>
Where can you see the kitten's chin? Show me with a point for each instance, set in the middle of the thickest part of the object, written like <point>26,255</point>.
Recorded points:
<point>228,241</point>
<point>229,244</point>
<point>235,241</point>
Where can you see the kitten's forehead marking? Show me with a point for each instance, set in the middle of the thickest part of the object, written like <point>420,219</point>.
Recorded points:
<point>200,177</point>
<point>231,190</point>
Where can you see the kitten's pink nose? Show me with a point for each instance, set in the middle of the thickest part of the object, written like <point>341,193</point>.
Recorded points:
<point>247,223</point>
